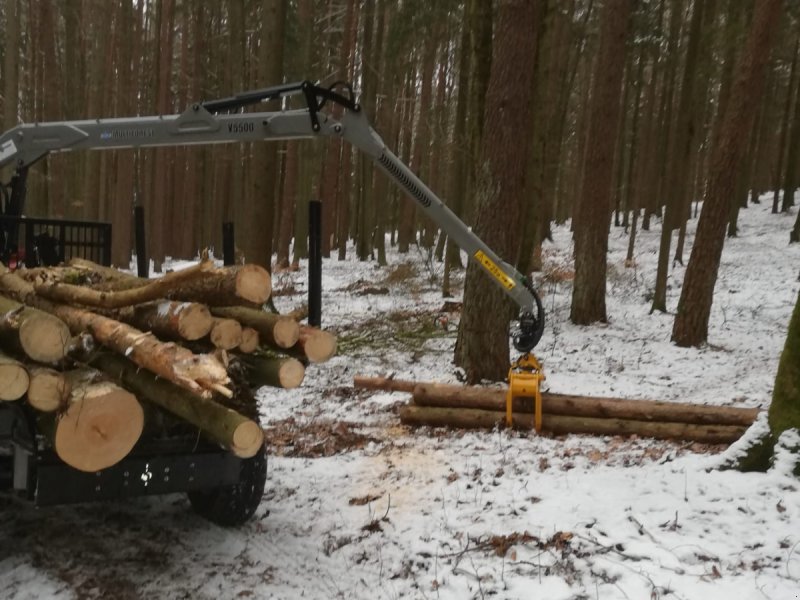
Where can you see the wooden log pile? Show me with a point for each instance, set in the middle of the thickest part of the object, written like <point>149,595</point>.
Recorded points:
<point>101,356</point>
<point>472,407</point>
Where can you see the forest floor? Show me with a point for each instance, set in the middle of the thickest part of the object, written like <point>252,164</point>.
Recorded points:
<point>358,506</point>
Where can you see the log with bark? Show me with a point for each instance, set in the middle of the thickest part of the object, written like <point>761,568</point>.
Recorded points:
<point>561,424</point>
<point>278,331</point>
<point>42,337</point>
<point>49,390</point>
<point>14,379</point>
<point>474,397</point>
<point>100,426</point>
<point>237,433</point>
<point>199,373</point>
<point>169,319</point>
<point>272,371</point>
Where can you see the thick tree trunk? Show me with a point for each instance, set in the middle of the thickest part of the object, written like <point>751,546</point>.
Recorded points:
<point>48,390</point>
<point>594,206</point>
<point>694,308</point>
<point>482,344</point>
<point>14,379</point>
<point>40,336</point>
<point>100,426</point>
<point>558,424</point>
<point>275,330</point>
<point>228,428</point>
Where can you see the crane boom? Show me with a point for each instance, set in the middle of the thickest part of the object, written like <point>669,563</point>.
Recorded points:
<point>222,121</point>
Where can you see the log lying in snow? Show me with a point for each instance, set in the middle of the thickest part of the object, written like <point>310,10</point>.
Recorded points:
<point>40,336</point>
<point>237,433</point>
<point>49,390</point>
<point>276,330</point>
<point>100,426</point>
<point>198,373</point>
<point>14,378</point>
<point>560,424</point>
<point>455,396</point>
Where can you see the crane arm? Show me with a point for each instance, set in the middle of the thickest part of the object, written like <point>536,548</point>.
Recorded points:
<point>221,121</point>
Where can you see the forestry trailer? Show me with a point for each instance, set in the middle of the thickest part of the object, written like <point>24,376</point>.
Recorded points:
<point>222,487</point>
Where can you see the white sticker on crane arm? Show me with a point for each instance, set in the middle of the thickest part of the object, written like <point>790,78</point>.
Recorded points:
<point>8,148</point>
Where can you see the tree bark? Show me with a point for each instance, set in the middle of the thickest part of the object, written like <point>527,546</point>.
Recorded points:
<point>482,344</point>
<point>169,319</point>
<point>594,206</point>
<point>694,308</point>
<point>559,424</point>
<point>287,373</point>
<point>228,428</point>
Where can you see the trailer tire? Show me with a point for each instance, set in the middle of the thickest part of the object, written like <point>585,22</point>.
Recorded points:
<point>233,505</point>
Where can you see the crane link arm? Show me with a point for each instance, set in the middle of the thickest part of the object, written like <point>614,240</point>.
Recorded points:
<point>221,121</point>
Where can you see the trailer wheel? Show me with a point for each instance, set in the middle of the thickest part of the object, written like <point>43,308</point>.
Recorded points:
<point>232,505</point>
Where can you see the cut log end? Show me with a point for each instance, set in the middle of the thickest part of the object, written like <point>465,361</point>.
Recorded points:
<point>194,321</point>
<point>226,334</point>
<point>45,339</point>
<point>253,283</point>
<point>99,428</point>
<point>319,346</point>
<point>250,340</point>
<point>14,380</point>
<point>248,437</point>
<point>48,390</point>
<point>286,332</point>
<point>291,373</point>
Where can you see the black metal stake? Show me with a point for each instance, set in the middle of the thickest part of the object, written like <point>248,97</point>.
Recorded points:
<point>315,263</point>
<point>142,264</point>
<point>228,245</point>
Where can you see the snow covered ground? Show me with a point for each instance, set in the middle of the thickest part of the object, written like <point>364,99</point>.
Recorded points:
<point>358,506</point>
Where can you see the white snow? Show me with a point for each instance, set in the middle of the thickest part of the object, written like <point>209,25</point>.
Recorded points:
<point>584,517</point>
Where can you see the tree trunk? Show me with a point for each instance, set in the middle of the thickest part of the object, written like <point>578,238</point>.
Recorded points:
<point>559,424</point>
<point>482,344</point>
<point>167,319</point>
<point>691,323</point>
<point>594,206</point>
<point>228,428</point>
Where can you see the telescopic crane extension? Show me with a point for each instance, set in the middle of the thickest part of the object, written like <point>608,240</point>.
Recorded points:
<point>223,121</point>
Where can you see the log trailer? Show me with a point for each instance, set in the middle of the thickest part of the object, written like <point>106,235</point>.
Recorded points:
<point>221,487</point>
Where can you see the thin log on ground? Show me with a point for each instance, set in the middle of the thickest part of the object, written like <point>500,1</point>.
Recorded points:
<point>464,418</point>
<point>456,396</point>
<point>237,433</point>
<point>169,319</point>
<point>100,426</point>
<point>163,287</point>
<point>48,390</point>
<point>584,406</point>
<point>250,340</point>
<point>41,336</point>
<point>226,334</point>
<point>199,373</point>
<point>14,379</point>
<point>272,371</point>
<point>314,345</point>
<point>274,330</point>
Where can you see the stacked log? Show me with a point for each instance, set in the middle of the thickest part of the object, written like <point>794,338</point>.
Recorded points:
<point>101,355</point>
<point>480,407</point>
